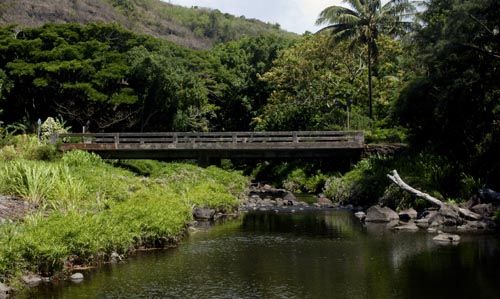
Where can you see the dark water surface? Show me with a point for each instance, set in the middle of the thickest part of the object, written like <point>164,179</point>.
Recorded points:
<point>326,254</point>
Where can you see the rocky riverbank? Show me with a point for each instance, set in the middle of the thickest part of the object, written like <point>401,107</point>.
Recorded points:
<point>267,198</point>
<point>448,221</point>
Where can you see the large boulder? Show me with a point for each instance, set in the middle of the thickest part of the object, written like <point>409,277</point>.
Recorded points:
<point>484,209</point>
<point>325,202</point>
<point>289,197</point>
<point>380,214</point>
<point>488,195</point>
<point>446,216</point>
<point>408,214</point>
<point>203,213</point>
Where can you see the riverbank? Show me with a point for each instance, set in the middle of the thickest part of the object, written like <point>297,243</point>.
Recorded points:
<point>78,210</point>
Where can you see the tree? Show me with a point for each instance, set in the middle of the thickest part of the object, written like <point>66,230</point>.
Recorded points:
<point>363,21</point>
<point>236,87</point>
<point>317,88</point>
<point>453,109</point>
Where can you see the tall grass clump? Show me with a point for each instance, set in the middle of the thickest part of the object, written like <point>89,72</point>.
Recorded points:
<point>31,181</point>
<point>40,183</point>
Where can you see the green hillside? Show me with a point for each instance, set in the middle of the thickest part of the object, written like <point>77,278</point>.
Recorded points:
<point>196,28</point>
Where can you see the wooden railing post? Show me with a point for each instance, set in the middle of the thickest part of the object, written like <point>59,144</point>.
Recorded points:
<point>359,137</point>
<point>295,137</point>
<point>53,138</point>
<point>116,139</point>
<point>175,138</point>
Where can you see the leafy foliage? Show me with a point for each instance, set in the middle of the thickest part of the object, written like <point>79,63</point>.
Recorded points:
<point>363,21</point>
<point>367,184</point>
<point>115,80</point>
<point>317,85</point>
<point>453,109</point>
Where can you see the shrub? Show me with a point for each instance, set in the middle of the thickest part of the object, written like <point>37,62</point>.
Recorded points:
<point>338,189</point>
<point>51,125</point>
<point>386,135</point>
<point>8,152</point>
<point>46,153</point>
<point>79,158</point>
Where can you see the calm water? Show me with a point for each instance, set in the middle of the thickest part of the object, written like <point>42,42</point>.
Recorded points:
<point>324,254</point>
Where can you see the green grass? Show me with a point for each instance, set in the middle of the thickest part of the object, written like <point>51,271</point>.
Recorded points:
<point>90,208</point>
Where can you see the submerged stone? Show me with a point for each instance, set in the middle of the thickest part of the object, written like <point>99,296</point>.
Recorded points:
<point>410,227</point>
<point>447,238</point>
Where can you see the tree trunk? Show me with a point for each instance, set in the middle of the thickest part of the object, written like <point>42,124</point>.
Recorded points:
<point>370,96</point>
<point>398,181</point>
<point>404,186</point>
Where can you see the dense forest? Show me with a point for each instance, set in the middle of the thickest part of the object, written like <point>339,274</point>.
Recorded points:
<point>433,84</point>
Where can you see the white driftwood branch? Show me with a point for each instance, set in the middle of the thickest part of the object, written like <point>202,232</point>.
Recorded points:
<point>398,181</point>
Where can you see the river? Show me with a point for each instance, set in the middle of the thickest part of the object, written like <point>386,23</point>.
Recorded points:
<point>320,254</point>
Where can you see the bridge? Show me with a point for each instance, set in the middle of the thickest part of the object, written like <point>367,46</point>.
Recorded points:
<point>212,146</point>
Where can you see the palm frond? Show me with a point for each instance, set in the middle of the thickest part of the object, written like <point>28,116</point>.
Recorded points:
<point>356,5</point>
<point>398,8</point>
<point>336,15</point>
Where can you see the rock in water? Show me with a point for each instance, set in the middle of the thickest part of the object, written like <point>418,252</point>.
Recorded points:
<point>408,214</point>
<point>410,227</point>
<point>380,214</point>
<point>289,196</point>
<point>76,277</point>
<point>360,215</point>
<point>31,280</point>
<point>203,213</point>
<point>488,195</point>
<point>447,238</point>
<point>483,209</point>
<point>325,202</point>
<point>446,216</point>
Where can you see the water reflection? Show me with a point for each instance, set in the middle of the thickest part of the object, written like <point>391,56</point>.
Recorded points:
<point>326,254</point>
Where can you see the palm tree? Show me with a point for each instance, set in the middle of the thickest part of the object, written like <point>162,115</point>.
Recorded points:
<point>363,21</point>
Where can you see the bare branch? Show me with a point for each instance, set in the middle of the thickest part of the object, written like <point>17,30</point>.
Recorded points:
<point>398,181</point>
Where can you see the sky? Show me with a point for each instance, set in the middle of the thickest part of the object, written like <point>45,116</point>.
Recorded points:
<point>293,15</point>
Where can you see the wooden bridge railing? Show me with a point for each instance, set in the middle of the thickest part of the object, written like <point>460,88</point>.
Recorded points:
<point>290,137</point>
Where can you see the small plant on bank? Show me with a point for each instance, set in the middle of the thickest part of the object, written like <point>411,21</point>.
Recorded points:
<point>53,125</point>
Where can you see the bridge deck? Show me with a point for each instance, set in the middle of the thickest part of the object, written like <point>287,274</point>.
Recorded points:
<point>180,145</point>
